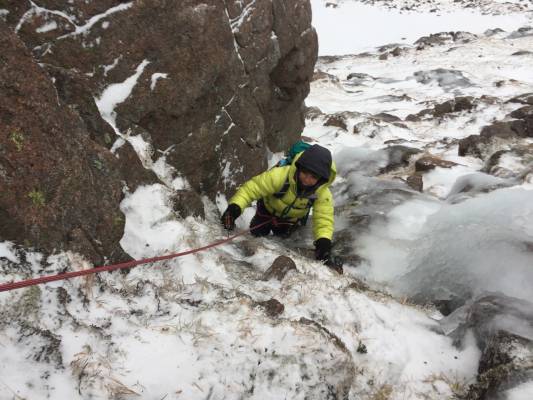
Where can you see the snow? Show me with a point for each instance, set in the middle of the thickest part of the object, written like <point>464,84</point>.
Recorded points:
<point>50,26</point>
<point>192,327</point>
<point>6,251</point>
<point>155,78</point>
<point>354,27</point>
<point>117,93</point>
<point>522,392</point>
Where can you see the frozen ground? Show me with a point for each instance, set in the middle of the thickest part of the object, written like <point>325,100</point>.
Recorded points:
<point>198,327</point>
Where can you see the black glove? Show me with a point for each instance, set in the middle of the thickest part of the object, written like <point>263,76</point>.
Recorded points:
<point>323,249</point>
<point>323,253</point>
<point>230,215</point>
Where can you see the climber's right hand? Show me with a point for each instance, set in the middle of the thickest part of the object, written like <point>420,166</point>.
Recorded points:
<point>230,215</point>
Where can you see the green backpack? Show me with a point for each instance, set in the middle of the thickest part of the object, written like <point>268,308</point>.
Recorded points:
<point>296,148</point>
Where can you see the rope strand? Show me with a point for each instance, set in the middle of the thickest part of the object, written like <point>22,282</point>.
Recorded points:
<point>129,264</point>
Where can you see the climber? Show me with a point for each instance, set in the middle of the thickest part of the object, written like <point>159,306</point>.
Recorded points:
<point>285,196</point>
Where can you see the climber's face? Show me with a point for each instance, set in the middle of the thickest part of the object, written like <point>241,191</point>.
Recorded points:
<point>307,178</point>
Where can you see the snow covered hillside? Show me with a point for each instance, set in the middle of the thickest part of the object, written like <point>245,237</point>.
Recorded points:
<point>431,220</point>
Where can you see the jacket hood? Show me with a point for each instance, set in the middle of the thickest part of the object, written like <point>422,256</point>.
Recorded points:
<point>295,162</point>
<point>316,159</point>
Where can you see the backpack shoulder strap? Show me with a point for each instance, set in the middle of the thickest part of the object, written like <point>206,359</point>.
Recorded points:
<point>284,189</point>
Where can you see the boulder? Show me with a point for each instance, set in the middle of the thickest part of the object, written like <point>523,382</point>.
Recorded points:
<point>337,121</point>
<point>502,327</point>
<point>224,81</point>
<point>273,308</point>
<point>398,156</point>
<point>232,76</point>
<point>474,144</point>
<point>415,182</point>
<point>445,78</point>
<point>279,268</point>
<point>427,163</point>
<point>61,190</point>
<point>526,98</point>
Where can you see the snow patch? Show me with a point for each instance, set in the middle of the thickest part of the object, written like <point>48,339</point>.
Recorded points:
<point>155,78</point>
<point>117,93</point>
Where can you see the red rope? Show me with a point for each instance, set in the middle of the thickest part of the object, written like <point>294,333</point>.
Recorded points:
<point>67,275</point>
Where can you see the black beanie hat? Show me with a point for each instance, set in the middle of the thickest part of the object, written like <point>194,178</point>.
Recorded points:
<point>316,159</point>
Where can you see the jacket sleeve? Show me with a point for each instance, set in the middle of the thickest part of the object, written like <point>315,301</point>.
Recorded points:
<point>260,186</point>
<point>323,220</point>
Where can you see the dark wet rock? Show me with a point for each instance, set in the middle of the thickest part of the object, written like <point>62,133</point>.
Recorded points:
<point>522,53</point>
<point>503,328</point>
<point>329,59</point>
<point>324,76</point>
<point>391,98</point>
<point>50,163</point>
<point>74,89</point>
<point>439,39</point>
<point>385,117</point>
<point>458,104</point>
<point>388,47</point>
<point>427,163</point>
<point>359,77</point>
<point>398,51</point>
<point>398,156</point>
<point>475,144</point>
<point>188,203</point>
<point>384,56</point>
<point>273,308</point>
<point>132,169</point>
<point>313,113</point>
<point>489,99</point>
<point>521,32</point>
<point>413,118</point>
<point>234,86</point>
<point>400,125</point>
<point>526,98</point>
<point>445,78</point>
<point>492,32</point>
<point>337,120</point>
<point>523,112</point>
<point>279,268</point>
<point>416,182</point>
<point>505,364</point>
<point>523,153</point>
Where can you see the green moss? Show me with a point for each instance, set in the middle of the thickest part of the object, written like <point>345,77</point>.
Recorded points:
<point>37,198</point>
<point>18,140</point>
<point>118,220</point>
<point>98,164</point>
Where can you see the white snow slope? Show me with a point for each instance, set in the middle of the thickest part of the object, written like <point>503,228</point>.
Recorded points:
<point>194,327</point>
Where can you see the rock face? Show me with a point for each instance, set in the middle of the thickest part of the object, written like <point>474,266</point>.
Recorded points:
<point>60,189</point>
<point>502,327</point>
<point>222,81</point>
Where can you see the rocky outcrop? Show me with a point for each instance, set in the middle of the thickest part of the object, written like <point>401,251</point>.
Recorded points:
<point>505,130</point>
<point>502,327</point>
<point>458,104</point>
<point>222,81</point>
<point>60,189</point>
<point>427,163</point>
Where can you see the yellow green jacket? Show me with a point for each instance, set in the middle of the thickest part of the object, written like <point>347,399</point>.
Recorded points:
<point>265,185</point>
